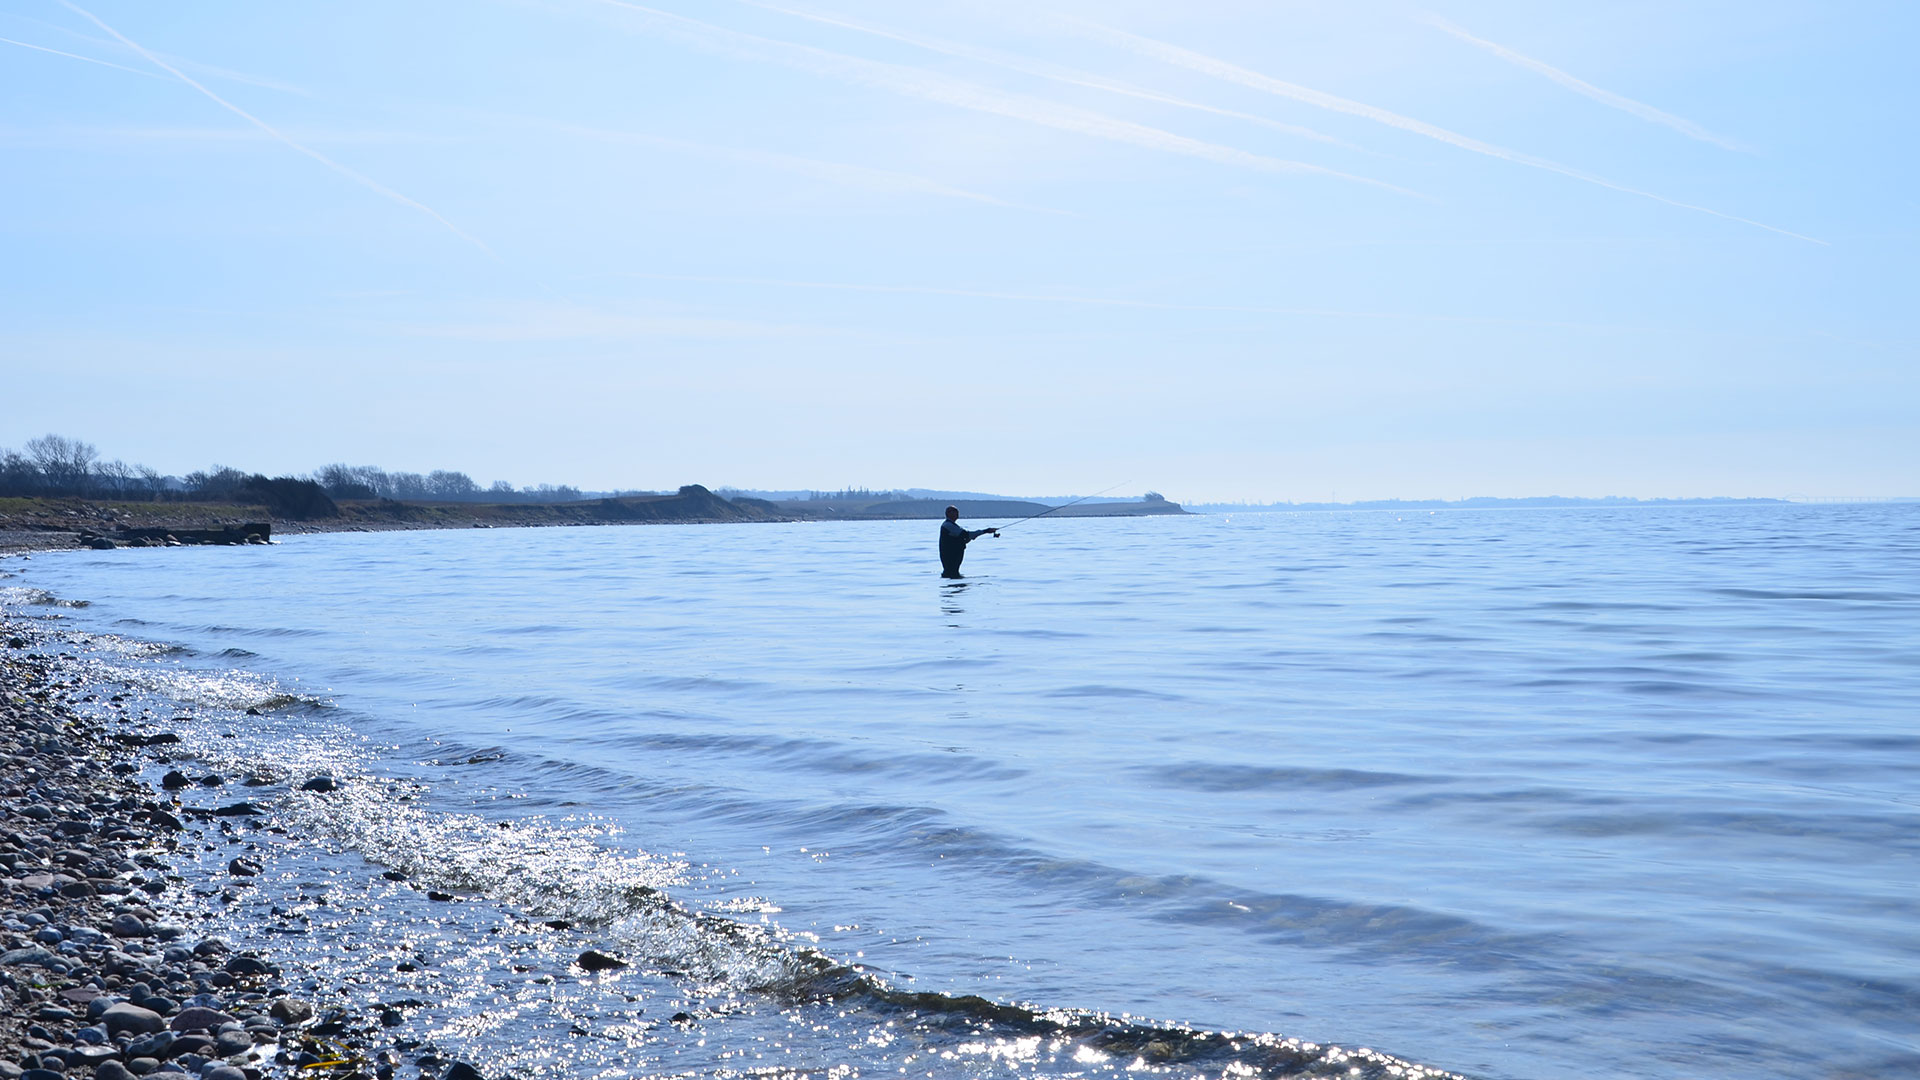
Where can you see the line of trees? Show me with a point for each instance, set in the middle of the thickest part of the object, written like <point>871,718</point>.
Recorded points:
<point>440,485</point>
<point>56,466</point>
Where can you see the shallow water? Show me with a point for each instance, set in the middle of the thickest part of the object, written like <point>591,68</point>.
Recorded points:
<point>1511,793</point>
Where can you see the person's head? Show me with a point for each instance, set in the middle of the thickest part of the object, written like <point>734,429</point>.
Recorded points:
<point>953,513</point>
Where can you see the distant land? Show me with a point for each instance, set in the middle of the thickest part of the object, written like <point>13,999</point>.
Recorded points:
<point>59,492</point>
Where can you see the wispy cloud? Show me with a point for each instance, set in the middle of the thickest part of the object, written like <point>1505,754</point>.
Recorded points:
<point>1221,69</point>
<point>77,56</point>
<point>1038,69</point>
<point>855,176</point>
<point>1580,86</point>
<point>1077,300</point>
<point>958,93</point>
<point>357,178</point>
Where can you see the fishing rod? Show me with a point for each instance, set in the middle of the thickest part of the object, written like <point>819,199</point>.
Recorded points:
<point>1062,506</point>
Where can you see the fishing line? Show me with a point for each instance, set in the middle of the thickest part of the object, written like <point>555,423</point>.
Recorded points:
<point>1062,506</point>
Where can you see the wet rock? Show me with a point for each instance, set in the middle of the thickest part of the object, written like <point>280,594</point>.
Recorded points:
<point>127,1016</point>
<point>248,965</point>
<point>436,894</point>
<point>321,783</point>
<point>458,1070</point>
<point>212,780</point>
<point>141,1066</point>
<point>290,1011</point>
<point>198,1018</point>
<point>34,956</point>
<point>222,1072</point>
<point>156,1045</point>
<point>229,1043</point>
<point>239,809</point>
<point>595,960</point>
<point>175,780</point>
<point>128,925</point>
<point>91,1055</point>
<point>185,1046</point>
<point>243,867</point>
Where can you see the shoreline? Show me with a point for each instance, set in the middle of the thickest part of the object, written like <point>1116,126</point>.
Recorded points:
<point>107,965</point>
<point>31,525</point>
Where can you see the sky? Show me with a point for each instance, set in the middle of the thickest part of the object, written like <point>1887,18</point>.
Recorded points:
<point>1222,250</point>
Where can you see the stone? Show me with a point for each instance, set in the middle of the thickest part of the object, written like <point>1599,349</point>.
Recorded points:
<point>239,809</point>
<point>127,925</point>
<point>185,1046</point>
<point>111,1070</point>
<point>175,780</point>
<point>36,956</point>
<point>458,1070</point>
<point>243,867</point>
<point>222,1072</point>
<point>40,1074</point>
<point>248,965</point>
<point>198,1017</point>
<point>229,1043</point>
<point>321,783</point>
<point>595,960</point>
<point>290,1011</point>
<point>156,1045</point>
<point>129,1017</point>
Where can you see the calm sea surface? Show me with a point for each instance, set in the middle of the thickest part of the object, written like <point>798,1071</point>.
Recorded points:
<point>1568,793</point>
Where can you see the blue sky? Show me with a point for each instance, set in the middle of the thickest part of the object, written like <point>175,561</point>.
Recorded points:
<point>1223,250</point>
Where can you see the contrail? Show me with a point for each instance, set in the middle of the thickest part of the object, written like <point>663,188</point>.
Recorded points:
<point>1580,86</point>
<point>1069,76</point>
<point>77,56</point>
<point>270,130</point>
<point>936,87</point>
<point>836,172</point>
<point>1221,69</point>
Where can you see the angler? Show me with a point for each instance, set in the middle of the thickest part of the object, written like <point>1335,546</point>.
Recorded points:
<point>954,541</point>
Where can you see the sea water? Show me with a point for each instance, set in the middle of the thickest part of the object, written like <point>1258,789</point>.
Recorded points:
<point>1533,793</point>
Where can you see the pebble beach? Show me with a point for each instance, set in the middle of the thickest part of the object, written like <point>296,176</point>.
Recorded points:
<point>105,970</point>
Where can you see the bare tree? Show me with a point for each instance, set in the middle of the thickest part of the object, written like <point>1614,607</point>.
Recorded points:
<point>116,477</point>
<point>65,464</point>
<point>451,486</point>
<point>18,474</point>
<point>151,482</point>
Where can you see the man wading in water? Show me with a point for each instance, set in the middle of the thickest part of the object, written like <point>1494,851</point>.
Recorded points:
<point>954,541</point>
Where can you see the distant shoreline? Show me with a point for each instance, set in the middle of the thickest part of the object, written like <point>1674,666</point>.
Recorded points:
<point>55,524</point>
